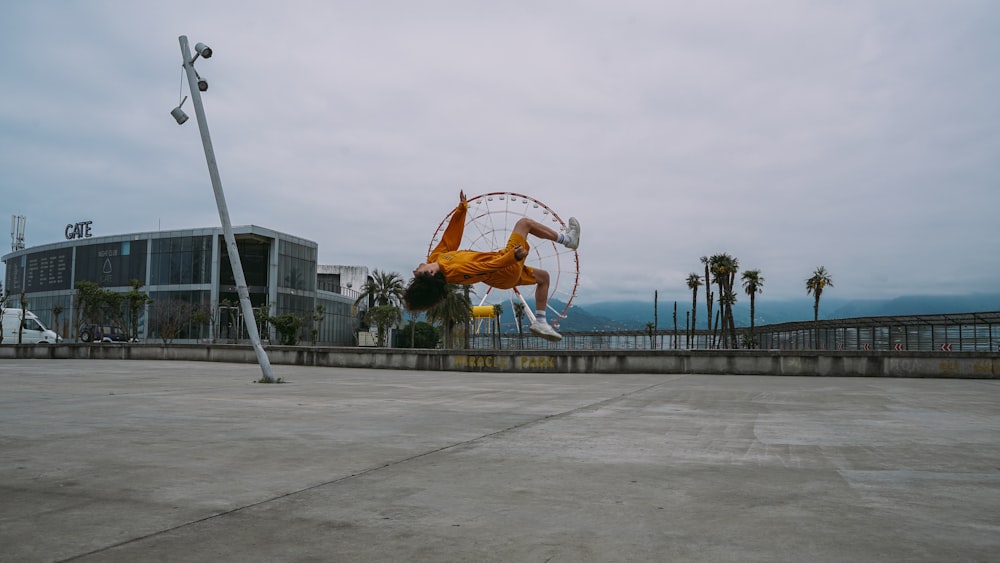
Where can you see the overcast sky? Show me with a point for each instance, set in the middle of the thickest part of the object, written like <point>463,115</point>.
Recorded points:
<point>862,136</point>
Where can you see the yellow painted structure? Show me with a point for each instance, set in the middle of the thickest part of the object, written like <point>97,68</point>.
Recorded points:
<point>482,319</point>
<point>483,312</point>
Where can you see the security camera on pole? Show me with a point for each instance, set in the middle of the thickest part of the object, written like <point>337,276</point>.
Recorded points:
<point>197,85</point>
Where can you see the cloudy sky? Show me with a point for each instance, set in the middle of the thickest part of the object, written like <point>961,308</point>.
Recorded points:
<point>862,136</point>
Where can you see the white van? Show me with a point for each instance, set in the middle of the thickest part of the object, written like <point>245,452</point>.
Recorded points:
<point>34,332</point>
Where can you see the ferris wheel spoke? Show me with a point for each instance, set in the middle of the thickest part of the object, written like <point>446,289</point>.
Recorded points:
<point>485,294</point>
<point>546,253</point>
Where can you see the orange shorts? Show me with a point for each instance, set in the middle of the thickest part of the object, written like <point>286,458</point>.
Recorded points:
<point>517,273</point>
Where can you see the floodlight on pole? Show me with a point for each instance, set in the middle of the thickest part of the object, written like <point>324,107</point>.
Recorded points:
<point>204,50</point>
<point>178,113</point>
<point>220,199</point>
<point>202,83</point>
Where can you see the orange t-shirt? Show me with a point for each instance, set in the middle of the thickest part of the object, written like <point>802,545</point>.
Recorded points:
<point>499,269</point>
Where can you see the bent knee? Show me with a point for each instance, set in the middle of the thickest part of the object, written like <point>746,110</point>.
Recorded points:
<point>523,225</point>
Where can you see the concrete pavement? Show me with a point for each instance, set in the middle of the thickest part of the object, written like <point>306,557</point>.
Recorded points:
<point>193,461</point>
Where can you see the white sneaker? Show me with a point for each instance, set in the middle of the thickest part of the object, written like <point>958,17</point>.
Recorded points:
<point>573,234</point>
<point>545,330</point>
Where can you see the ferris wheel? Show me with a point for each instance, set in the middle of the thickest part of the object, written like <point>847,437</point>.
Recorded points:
<point>489,222</point>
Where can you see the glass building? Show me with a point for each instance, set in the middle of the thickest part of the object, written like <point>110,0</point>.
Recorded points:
<point>189,280</point>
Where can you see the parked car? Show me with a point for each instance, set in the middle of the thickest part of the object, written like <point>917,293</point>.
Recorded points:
<point>102,333</point>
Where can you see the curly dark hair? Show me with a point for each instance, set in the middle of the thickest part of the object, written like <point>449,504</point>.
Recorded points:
<point>425,291</point>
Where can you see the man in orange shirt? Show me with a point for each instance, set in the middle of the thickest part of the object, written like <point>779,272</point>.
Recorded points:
<point>502,269</point>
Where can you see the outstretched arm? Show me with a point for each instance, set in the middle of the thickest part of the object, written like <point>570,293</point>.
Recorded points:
<point>452,237</point>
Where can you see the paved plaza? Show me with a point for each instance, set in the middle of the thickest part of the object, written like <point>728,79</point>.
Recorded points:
<point>193,461</point>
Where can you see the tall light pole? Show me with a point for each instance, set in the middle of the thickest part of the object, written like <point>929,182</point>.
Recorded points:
<point>197,85</point>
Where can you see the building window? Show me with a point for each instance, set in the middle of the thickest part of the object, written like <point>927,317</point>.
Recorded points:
<point>181,260</point>
<point>296,266</point>
<point>328,282</point>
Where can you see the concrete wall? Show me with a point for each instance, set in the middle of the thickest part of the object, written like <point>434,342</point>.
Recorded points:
<point>977,365</point>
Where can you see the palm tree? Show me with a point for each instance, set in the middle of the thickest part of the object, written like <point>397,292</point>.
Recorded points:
<point>708,294</point>
<point>753,283</point>
<point>455,308</point>
<point>384,293</point>
<point>382,288</point>
<point>519,315</point>
<point>497,312</point>
<point>723,268</point>
<point>467,289</point>
<point>694,282</point>
<point>135,300</point>
<point>815,285</point>
<point>728,332</point>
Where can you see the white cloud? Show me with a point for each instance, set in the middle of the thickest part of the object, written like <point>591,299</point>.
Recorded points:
<point>857,136</point>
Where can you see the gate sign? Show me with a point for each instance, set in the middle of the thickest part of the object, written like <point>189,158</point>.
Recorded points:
<point>79,230</point>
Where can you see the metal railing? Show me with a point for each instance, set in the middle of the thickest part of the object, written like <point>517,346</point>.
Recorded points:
<point>978,332</point>
<point>974,332</point>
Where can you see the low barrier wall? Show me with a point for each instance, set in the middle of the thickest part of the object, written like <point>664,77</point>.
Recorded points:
<point>973,365</point>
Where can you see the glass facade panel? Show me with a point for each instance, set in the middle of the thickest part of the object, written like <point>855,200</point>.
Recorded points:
<point>48,271</point>
<point>298,305</point>
<point>337,323</point>
<point>181,261</point>
<point>255,259</point>
<point>112,264</point>
<point>302,307</point>
<point>15,274</point>
<point>296,266</point>
<point>179,315</point>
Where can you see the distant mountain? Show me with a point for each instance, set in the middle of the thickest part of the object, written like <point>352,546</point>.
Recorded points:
<point>577,320</point>
<point>918,305</point>
<point>634,315</point>
<point>581,320</point>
